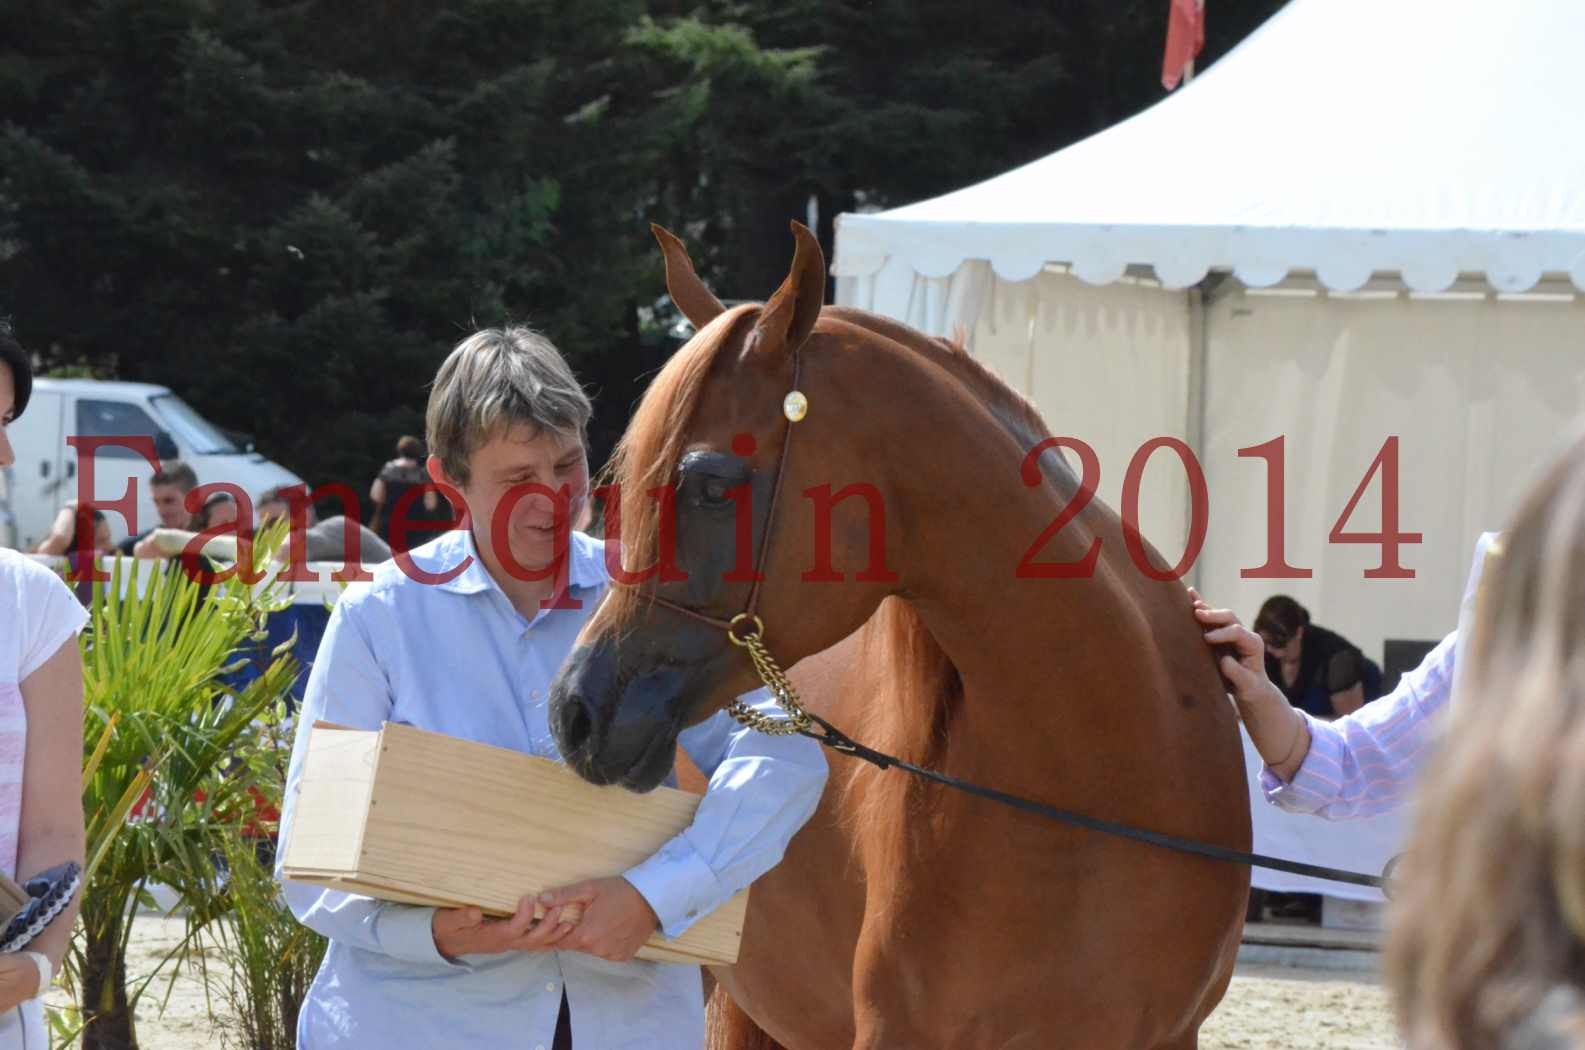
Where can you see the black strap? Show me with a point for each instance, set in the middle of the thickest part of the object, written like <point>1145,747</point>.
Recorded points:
<point>837,740</point>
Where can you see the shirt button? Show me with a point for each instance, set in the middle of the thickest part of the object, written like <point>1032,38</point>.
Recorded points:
<point>541,1046</point>
<point>693,914</point>
<point>550,986</point>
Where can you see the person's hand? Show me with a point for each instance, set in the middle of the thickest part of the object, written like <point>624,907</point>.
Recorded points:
<point>19,980</point>
<point>1241,653</point>
<point>1279,733</point>
<point>616,922</point>
<point>532,928</point>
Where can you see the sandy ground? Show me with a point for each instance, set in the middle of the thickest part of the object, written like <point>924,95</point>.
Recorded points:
<point>1270,1007</point>
<point>1267,1008</point>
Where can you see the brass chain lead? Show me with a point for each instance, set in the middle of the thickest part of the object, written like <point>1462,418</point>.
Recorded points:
<point>770,673</point>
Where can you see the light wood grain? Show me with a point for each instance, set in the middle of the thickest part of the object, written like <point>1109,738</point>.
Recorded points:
<point>424,818</point>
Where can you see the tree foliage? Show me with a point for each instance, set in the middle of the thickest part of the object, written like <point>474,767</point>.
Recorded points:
<point>289,210</point>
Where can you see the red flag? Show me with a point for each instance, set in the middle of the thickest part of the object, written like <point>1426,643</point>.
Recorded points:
<point>1185,39</point>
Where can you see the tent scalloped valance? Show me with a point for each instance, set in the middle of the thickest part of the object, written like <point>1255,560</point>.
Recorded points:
<point>1343,261</point>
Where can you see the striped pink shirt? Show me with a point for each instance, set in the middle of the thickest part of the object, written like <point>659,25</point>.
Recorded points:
<point>1365,763</point>
<point>38,613</point>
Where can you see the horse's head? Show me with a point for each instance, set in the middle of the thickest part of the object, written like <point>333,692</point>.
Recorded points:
<point>712,446</point>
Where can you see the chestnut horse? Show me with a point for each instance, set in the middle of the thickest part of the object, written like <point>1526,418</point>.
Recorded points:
<point>905,914</point>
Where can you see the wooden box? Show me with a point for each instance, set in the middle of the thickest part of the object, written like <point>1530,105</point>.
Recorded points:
<point>407,815</point>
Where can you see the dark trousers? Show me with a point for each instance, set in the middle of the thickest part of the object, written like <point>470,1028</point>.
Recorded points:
<point>563,1038</point>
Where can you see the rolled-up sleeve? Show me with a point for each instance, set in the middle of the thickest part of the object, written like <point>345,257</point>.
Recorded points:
<point>347,687</point>
<point>762,790</point>
<point>1366,762</point>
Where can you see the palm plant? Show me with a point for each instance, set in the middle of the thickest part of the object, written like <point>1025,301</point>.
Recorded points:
<point>269,958</point>
<point>162,788</point>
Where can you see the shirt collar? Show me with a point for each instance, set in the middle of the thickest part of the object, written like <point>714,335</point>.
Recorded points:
<point>586,569</point>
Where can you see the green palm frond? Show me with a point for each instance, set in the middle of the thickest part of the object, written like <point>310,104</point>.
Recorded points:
<point>170,741</point>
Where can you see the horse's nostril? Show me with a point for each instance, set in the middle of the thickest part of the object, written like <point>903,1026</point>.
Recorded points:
<point>576,725</point>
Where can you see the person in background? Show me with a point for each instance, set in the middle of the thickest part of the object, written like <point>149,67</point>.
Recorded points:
<point>1487,945</point>
<point>41,739</point>
<point>219,509</point>
<point>396,479</point>
<point>169,487</point>
<point>1318,670</point>
<point>323,540</point>
<point>62,536</point>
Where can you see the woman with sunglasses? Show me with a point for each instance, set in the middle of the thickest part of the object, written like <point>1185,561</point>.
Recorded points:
<point>1316,669</point>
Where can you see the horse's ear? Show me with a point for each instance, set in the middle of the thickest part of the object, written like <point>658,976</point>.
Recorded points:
<point>695,301</point>
<point>791,313</point>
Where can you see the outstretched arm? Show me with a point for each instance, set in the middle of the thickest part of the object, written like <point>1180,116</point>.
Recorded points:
<point>1358,766</point>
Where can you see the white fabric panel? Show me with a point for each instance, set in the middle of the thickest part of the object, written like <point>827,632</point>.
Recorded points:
<point>1107,365</point>
<point>1435,153</point>
<point>1364,846</point>
<point>1482,394</point>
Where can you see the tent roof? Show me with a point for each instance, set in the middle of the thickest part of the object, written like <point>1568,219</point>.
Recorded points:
<point>1428,138</point>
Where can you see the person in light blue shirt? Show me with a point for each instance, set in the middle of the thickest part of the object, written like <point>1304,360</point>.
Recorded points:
<point>464,636</point>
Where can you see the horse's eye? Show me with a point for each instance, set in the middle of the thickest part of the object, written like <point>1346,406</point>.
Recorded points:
<point>715,492</point>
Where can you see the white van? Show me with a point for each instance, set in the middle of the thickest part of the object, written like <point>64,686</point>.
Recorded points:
<point>45,474</point>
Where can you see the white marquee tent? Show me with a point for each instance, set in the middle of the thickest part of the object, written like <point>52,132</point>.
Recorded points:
<point>1367,221</point>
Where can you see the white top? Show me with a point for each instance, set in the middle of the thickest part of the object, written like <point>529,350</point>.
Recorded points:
<point>38,614</point>
<point>1417,137</point>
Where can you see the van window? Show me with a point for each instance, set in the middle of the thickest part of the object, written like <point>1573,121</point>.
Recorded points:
<point>114,419</point>
<point>192,429</point>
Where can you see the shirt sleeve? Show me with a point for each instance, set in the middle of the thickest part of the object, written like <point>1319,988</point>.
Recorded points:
<point>1366,763</point>
<point>52,615</point>
<point>347,687</point>
<point>762,790</point>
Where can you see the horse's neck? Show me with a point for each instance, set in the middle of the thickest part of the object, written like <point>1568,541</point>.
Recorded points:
<point>1058,665</point>
<point>1067,668</point>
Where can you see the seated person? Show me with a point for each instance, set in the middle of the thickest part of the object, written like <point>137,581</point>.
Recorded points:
<point>219,509</point>
<point>1318,670</point>
<point>62,536</point>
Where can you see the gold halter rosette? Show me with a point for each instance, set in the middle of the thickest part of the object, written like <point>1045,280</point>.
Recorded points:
<point>795,406</point>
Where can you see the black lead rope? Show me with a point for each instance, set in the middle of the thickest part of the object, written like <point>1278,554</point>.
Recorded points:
<point>839,741</point>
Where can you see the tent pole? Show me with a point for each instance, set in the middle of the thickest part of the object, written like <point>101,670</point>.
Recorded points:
<point>1194,403</point>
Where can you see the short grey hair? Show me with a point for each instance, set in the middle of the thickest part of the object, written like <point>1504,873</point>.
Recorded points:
<point>496,379</point>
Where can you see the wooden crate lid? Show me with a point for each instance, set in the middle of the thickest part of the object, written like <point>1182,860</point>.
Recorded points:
<point>407,814</point>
